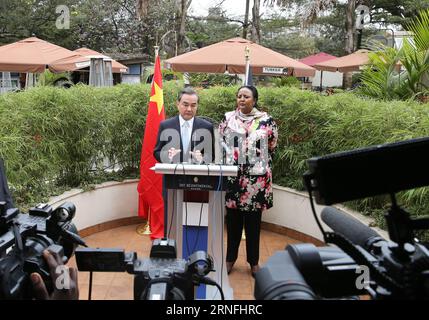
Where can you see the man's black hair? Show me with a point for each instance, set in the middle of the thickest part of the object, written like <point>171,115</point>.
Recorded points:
<point>187,90</point>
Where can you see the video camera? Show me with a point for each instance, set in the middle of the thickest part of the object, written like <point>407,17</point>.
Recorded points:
<point>160,277</point>
<point>23,238</point>
<point>391,269</point>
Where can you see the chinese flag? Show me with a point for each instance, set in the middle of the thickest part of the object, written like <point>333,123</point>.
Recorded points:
<point>150,184</point>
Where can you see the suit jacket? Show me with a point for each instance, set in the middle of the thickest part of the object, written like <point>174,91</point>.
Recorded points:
<point>202,138</point>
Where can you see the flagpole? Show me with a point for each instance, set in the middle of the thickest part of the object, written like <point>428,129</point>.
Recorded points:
<point>247,58</point>
<point>145,228</point>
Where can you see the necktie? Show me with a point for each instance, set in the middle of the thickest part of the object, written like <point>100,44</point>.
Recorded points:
<point>185,137</point>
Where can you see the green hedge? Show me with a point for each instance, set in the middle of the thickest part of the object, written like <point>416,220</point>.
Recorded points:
<point>53,139</point>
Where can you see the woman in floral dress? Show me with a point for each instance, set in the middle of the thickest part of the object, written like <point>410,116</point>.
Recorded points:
<point>249,137</point>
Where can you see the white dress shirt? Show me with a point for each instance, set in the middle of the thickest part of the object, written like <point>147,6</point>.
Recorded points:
<point>191,124</point>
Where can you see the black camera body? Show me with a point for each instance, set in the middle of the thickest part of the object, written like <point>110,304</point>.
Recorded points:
<point>23,238</point>
<point>307,272</point>
<point>362,262</point>
<point>160,277</point>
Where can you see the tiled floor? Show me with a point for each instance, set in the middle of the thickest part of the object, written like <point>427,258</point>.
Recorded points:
<point>119,286</point>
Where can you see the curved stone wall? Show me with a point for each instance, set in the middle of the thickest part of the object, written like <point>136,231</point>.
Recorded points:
<point>112,204</point>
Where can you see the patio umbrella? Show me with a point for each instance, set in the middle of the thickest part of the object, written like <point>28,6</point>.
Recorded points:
<point>82,59</point>
<point>228,56</point>
<point>348,63</point>
<point>30,55</point>
<point>317,58</point>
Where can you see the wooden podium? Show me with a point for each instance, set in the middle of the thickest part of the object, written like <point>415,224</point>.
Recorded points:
<point>198,186</point>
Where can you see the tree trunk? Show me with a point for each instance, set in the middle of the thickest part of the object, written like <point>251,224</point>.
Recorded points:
<point>350,27</point>
<point>350,38</point>
<point>246,20</point>
<point>256,25</point>
<point>181,12</point>
<point>142,8</point>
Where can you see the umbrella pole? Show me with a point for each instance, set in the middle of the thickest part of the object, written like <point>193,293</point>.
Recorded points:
<point>321,77</point>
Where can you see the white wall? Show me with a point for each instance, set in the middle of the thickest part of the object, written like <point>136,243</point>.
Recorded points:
<point>108,201</point>
<point>292,210</point>
<point>330,79</point>
<point>131,79</point>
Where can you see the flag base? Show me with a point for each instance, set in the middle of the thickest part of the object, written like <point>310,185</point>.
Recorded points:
<point>143,229</point>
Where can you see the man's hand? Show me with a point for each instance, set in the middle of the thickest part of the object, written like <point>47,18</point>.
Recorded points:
<point>64,292</point>
<point>197,155</point>
<point>172,152</point>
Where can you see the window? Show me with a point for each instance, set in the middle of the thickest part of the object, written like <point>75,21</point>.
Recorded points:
<point>134,69</point>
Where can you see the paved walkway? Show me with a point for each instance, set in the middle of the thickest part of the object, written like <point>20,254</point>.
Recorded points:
<point>119,286</point>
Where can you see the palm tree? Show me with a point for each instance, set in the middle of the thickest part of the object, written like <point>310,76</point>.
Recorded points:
<point>416,60</point>
<point>381,78</point>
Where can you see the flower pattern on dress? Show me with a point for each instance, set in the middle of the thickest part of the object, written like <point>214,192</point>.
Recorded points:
<point>251,144</point>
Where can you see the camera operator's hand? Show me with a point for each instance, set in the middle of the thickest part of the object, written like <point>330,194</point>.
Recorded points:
<point>64,289</point>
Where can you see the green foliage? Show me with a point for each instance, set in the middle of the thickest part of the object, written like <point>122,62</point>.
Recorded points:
<point>215,27</point>
<point>286,82</point>
<point>103,25</point>
<point>206,80</point>
<point>401,11</point>
<point>56,138</point>
<point>293,44</point>
<point>54,79</point>
<point>167,75</point>
<point>381,78</point>
<point>416,55</point>
<point>53,139</point>
<point>25,18</point>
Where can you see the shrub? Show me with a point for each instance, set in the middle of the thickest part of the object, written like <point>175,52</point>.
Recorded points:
<point>382,80</point>
<point>53,139</point>
<point>286,82</point>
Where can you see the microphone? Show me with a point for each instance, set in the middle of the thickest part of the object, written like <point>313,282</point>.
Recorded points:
<point>349,227</point>
<point>225,147</point>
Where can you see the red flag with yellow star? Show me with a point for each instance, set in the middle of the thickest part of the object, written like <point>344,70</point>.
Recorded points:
<point>151,204</point>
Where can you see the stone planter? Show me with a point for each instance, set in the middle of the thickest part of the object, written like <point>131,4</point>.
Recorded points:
<point>292,213</point>
<point>109,205</point>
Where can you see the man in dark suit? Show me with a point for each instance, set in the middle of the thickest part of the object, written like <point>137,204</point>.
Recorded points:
<point>185,137</point>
